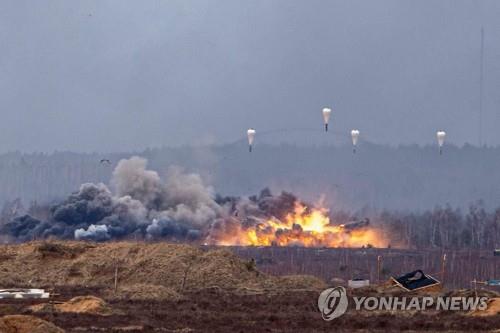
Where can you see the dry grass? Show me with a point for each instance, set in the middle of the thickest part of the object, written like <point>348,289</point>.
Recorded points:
<point>175,268</point>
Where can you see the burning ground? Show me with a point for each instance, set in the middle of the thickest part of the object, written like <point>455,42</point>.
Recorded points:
<point>141,205</point>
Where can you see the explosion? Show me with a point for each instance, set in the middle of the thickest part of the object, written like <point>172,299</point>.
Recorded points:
<point>304,226</point>
<point>182,208</point>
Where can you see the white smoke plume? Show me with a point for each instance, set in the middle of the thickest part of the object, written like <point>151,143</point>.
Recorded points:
<point>95,232</point>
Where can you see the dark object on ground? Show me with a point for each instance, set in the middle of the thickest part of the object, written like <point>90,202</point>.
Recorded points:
<point>416,280</point>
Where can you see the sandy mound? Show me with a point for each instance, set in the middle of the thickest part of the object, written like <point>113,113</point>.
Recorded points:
<point>492,310</point>
<point>26,324</point>
<point>173,266</point>
<point>143,292</point>
<point>85,304</point>
<point>223,269</point>
<point>81,304</point>
<point>176,267</point>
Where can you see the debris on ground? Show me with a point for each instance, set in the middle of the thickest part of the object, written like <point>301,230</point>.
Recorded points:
<point>417,281</point>
<point>20,293</point>
<point>358,283</point>
<point>81,304</point>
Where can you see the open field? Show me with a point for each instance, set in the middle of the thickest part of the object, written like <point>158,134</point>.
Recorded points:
<point>217,311</point>
<point>461,267</point>
<point>179,288</point>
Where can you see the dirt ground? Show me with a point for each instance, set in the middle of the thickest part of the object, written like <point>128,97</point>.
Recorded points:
<point>177,288</point>
<point>214,310</point>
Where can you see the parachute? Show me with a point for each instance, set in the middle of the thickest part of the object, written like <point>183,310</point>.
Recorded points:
<point>440,138</point>
<point>251,136</point>
<point>326,117</point>
<point>355,137</point>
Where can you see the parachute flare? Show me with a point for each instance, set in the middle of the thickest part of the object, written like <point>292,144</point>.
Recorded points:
<point>326,117</point>
<point>251,137</point>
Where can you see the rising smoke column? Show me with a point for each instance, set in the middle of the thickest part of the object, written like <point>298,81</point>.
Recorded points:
<point>142,205</point>
<point>182,198</point>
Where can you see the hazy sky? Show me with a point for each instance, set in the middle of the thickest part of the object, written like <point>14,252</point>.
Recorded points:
<point>121,75</point>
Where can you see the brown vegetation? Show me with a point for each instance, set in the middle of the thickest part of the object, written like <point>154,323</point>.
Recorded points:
<point>138,268</point>
<point>26,324</point>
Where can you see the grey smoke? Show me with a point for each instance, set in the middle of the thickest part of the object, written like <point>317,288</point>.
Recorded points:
<point>183,197</point>
<point>130,178</point>
<point>166,228</point>
<point>144,205</point>
<point>188,199</point>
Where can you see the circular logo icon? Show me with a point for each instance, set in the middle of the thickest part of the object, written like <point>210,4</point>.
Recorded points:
<point>332,303</point>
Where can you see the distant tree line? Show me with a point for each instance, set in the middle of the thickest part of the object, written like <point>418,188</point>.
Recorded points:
<point>443,227</point>
<point>398,185</point>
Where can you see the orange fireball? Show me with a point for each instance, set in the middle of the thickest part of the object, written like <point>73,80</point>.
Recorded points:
<point>309,227</point>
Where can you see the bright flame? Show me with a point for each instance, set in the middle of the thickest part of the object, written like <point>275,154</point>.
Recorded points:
<point>305,227</point>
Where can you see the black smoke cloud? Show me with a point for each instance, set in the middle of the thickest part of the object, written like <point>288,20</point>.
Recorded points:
<point>144,206</point>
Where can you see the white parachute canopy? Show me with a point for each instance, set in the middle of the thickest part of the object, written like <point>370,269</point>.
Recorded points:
<point>355,137</point>
<point>440,138</point>
<point>251,137</point>
<point>326,117</point>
